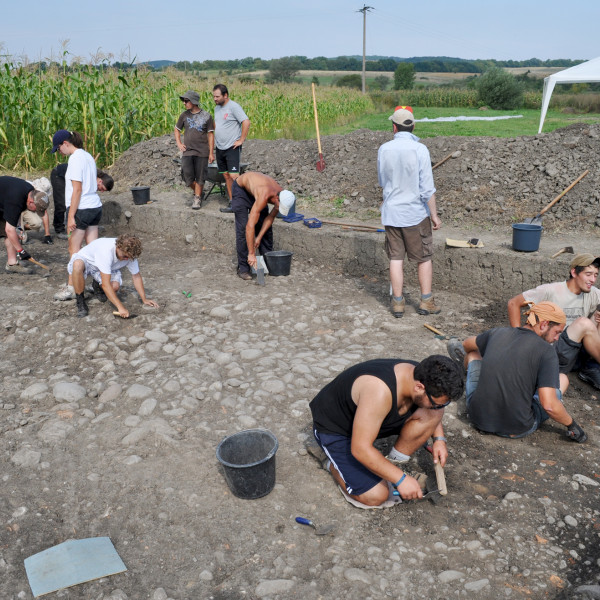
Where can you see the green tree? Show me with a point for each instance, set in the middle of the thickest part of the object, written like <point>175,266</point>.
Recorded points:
<point>499,89</point>
<point>350,81</point>
<point>283,69</point>
<point>404,76</point>
<point>381,82</point>
<point>315,80</point>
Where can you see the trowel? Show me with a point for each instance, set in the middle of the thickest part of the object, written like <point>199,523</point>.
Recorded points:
<point>322,530</point>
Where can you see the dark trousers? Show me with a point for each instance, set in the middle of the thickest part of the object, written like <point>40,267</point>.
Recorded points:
<point>241,204</point>
<point>57,179</point>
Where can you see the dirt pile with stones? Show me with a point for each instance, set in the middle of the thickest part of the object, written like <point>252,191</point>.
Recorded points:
<point>491,181</point>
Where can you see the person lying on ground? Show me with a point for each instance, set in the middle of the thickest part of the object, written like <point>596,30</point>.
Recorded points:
<point>251,194</point>
<point>376,399</point>
<point>578,347</point>
<point>17,195</point>
<point>103,260</point>
<point>512,376</point>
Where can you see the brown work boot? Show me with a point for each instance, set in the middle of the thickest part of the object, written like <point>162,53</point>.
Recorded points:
<point>244,275</point>
<point>197,203</point>
<point>428,307</point>
<point>18,268</point>
<point>398,307</point>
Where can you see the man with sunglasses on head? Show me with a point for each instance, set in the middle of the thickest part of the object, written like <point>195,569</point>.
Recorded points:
<point>377,399</point>
<point>198,143</point>
<point>512,377</point>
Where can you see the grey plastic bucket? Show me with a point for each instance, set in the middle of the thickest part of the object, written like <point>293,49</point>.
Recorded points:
<point>526,237</point>
<point>141,194</point>
<point>248,461</point>
<point>279,262</point>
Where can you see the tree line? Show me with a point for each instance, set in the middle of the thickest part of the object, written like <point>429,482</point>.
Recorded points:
<point>441,64</point>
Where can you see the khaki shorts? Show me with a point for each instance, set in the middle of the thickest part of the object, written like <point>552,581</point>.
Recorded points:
<point>415,242</point>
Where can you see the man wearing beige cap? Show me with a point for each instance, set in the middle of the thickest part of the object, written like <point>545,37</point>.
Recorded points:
<point>409,210</point>
<point>578,348</point>
<point>16,196</point>
<point>198,144</point>
<point>512,377</point>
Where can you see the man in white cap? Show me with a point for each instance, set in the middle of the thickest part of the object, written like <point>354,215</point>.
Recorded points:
<point>251,193</point>
<point>578,348</point>
<point>512,377</point>
<point>409,210</point>
<point>198,143</point>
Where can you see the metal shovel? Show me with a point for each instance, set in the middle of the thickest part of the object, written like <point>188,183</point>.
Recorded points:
<point>260,270</point>
<point>537,220</point>
<point>323,530</point>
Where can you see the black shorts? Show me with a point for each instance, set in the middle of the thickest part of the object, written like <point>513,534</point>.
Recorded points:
<point>569,353</point>
<point>193,169</point>
<point>228,161</point>
<point>88,217</point>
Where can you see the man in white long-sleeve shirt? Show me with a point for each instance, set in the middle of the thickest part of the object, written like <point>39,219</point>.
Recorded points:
<point>408,211</point>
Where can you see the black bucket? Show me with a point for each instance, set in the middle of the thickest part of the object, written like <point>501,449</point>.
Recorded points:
<point>526,237</point>
<point>141,194</point>
<point>248,461</point>
<point>279,262</point>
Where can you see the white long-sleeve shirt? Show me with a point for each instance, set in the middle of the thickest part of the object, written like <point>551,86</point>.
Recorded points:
<point>405,174</point>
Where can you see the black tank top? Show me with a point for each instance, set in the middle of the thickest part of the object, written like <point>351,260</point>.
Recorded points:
<point>333,409</point>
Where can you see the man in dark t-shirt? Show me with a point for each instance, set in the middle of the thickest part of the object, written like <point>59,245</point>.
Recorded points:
<point>16,196</point>
<point>376,399</point>
<point>512,378</point>
<point>198,145</point>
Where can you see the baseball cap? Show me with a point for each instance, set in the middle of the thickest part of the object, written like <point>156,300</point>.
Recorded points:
<point>192,96</point>
<point>62,135</point>
<point>403,117</point>
<point>584,260</point>
<point>41,202</point>
<point>286,201</point>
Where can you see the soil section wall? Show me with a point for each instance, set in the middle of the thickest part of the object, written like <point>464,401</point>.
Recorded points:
<point>495,272</point>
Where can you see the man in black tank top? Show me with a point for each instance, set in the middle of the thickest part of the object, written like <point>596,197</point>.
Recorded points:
<point>376,399</point>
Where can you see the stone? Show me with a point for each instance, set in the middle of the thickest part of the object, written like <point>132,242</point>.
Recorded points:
<point>219,312</point>
<point>354,574</point>
<point>154,335</point>
<point>26,457</point>
<point>476,586</point>
<point>273,587</point>
<point>583,480</point>
<point>450,575</point>
<point>68,392</point>
<point>138,392</point>
<point>55,431</point>
<point>111,393</point>
<point>34,390</point>
<point>147,407</point>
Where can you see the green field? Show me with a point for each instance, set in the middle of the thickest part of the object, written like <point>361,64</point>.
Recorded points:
<point>528,125</point>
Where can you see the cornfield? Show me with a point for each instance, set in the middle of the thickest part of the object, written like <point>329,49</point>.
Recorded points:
<point>113,110</point>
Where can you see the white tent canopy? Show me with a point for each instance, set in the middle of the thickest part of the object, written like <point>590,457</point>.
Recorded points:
<point>586,72</point>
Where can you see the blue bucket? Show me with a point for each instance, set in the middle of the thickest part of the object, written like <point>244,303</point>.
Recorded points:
<point>526,237</point>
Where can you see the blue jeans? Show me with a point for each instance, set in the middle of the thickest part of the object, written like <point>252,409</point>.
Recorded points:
<point>539,414</point>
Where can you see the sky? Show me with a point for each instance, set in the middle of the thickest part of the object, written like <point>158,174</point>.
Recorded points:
<point>155,29</point>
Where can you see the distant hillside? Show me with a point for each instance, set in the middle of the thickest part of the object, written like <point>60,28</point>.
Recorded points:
<point>158,64</point>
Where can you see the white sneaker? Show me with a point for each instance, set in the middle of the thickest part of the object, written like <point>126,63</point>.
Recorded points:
<point>65,293</point>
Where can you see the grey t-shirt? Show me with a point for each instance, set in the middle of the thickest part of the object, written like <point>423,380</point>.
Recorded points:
<point>228,124</point>
<point>516,362</point>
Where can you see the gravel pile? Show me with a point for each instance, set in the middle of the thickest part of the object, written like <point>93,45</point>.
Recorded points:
<point>491,180</point>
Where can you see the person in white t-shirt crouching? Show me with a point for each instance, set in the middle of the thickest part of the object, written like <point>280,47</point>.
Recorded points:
<point>81,196</point>
<point>103,260</point>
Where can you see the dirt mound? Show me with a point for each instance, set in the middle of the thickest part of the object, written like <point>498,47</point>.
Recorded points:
<point>493,181</point>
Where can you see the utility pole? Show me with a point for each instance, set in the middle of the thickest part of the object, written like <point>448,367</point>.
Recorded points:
<point>364,10</point>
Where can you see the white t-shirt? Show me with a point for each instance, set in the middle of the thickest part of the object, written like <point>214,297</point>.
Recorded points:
<point>82,168</point>
<point>102,255</point>
<point>573,305</point>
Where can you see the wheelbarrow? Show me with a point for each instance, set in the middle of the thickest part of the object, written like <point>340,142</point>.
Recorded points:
<point>214,178</point>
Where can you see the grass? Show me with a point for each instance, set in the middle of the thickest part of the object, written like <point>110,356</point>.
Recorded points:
<point>527,125</point>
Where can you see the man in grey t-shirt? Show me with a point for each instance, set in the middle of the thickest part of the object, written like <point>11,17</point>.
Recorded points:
<point>231,128</point>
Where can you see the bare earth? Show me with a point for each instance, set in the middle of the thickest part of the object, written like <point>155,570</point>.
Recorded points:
<point>110,427</point>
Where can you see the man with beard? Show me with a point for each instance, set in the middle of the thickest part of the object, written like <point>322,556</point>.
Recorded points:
<point>578,348</point>
<point>512,377</point>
